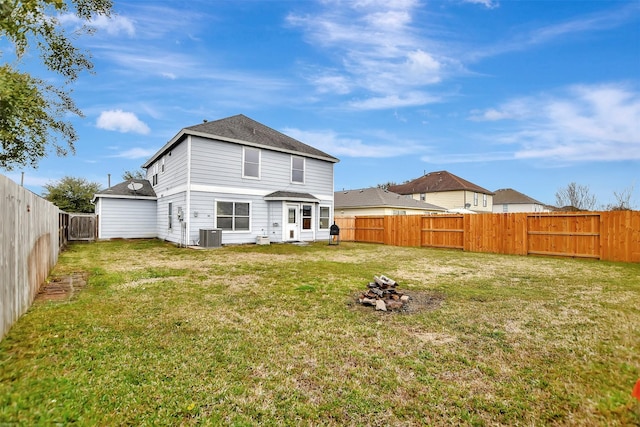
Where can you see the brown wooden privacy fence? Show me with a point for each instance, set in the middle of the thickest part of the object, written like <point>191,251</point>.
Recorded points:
<point>612,236</point>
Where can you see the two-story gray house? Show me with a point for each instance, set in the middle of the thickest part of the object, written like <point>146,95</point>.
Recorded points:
<point>244,178</point>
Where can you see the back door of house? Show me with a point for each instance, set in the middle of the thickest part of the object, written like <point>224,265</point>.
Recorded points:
<point>292,229</point>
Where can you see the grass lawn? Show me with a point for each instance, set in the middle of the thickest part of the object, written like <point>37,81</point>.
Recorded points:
<point>272,335</point>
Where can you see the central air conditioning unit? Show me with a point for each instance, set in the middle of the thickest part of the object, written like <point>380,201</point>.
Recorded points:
<point>211,238</point>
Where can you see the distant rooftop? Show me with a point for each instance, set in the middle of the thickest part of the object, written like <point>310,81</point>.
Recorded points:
<point>378,197</point>
<point>435,182</point>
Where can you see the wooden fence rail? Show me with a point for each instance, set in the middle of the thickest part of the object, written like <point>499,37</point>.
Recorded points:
<point>611,236</point>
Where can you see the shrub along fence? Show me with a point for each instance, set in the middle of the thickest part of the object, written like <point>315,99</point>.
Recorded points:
<point>611,236</point>
<point>31,234</point>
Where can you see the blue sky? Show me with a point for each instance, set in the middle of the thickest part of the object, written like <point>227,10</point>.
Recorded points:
<point>530,95</point>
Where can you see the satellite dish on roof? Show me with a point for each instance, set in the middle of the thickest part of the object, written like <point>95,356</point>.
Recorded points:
<point>134,186</point>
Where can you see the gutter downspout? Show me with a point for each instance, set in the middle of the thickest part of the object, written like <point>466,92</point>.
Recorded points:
<point>187,214</point>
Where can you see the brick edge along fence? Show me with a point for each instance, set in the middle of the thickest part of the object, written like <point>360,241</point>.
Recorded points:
<point>610,236</point>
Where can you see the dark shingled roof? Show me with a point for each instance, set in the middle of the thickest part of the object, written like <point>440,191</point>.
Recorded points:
<point>378,197</point>
<point>435,182</point>
<point>241,127</point>
<point>511,196</point>
<point>122,189</point>
<point>290,195</point>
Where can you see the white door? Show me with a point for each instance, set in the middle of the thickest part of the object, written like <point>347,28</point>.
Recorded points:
<point>292,229</point>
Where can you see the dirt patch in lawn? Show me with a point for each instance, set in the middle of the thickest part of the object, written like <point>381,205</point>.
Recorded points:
<point>419,301</point>
<point>62,288</point>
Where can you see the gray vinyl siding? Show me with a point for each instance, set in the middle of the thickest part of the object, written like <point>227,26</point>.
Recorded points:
<point>162,220</point>
<point>219,163</point>
<point>260,213</point>
<point>126,218</point>
<point>175,169</point>
<point>216,174</point>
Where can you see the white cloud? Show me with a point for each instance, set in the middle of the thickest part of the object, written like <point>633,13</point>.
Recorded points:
<point>121,121</point>
<point>113,25</point>
<point>29,180</point>
<point>135,153</point>
<point>337,145</point>
<point>393,101</point>
<point>602,20</point>
<point>489,4</point>
<point>582,123</point>
<point>488,156</point>
<point>377,52</point>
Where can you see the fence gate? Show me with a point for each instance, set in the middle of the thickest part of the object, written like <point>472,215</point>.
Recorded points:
<point>82,226</point>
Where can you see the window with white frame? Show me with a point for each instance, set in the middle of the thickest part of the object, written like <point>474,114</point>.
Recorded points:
<point>484,200</point>
<point>475,199</point>
<point>297,169</point>
<point>170,216</point>
<point>162,166</point>
<point>306,217</point>
<point>505,208</point>
<point>155,174</point>
<point>324,217</point>
<point>423,197</point>
<point>233,216</point>
<point>250,162</point>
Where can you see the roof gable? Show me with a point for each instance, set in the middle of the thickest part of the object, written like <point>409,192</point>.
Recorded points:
<point>240,129</point>
<point>511,196</point>
<point>435,182</point>
<point>125,189</point>
<point>378,197</point>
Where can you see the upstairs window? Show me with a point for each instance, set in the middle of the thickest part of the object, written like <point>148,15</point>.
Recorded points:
<point>155,174</point>
<point>484,200</point>
<point>297,169</point>
<point>250,162</point>
<point>475,199</point>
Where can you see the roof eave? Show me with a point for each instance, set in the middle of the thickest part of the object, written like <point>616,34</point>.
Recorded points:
<point>176,139</point>
<point>123,196</point>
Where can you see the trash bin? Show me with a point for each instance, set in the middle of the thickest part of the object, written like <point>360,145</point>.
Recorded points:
<point>211,238</point>
<point>334,234</point>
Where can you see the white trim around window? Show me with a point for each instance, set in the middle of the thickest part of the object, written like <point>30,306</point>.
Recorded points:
<point>324,217</point>
<point>251,162</point>
<point>233,216</point>
<point>298,165</point>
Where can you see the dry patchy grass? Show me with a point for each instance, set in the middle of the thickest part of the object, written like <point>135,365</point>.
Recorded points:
<point>272,335</point>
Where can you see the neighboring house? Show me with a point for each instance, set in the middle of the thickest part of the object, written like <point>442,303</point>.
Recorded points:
<point>126,210</point>
<point>244,178</point>
<point>510,200</point>
<point>378,201</point>
<point>447,190</point>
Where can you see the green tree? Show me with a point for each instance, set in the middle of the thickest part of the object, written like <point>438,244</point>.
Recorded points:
<point>136,174</point>
<point>32,111</point>
<point>72,194</point>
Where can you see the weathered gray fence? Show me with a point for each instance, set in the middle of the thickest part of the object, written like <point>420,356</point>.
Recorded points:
<point>82,226</point>
<point>29,247</point>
